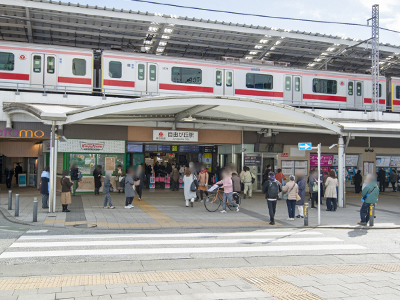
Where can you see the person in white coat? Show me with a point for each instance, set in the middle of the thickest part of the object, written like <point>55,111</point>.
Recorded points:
<point>187,183</point>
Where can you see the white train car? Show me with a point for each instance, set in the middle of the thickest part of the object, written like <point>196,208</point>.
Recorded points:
<point>32,66</point>
<point>394,93</point>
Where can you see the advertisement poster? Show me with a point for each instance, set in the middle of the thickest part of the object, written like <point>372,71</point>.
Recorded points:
<point>395,161</point>
<point>351,160</point>
<point>326,160</point>
<point>110,164</point>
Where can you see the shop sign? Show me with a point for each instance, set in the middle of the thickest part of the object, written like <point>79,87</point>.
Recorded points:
<point>326,160</point>
<point>252,161</point>
<point>210,149</point>
<point>175,135</point>
<point>284,154</point>
<point>23,133</point>
<point>92,146</point>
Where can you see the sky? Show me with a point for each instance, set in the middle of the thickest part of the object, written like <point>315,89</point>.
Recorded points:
<point>354,11</point>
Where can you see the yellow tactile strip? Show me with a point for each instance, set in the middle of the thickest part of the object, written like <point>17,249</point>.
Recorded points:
<point>153,212</point>
<point>267,279</point>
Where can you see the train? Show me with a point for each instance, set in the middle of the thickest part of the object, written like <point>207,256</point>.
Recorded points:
<point>60,69</point>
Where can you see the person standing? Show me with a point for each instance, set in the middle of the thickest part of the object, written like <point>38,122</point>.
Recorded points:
<point>266,173</point>
<point>228,190</point>
<point>119,175</point>
<point>370,194</point>
<point>280,177</point>
<point>190,195</point>
<point>140,179</point>
<point>331,194</point>
<point>313,185</point>
<point>107,190</point>
<point>9,172</point>
<point>271,189</point>
<point>175,178</point>
<point>182,170</point>
<point>129,191</point>
<point>248,183</point>
<point>393,177</point>
<point>74,173</point>
<point>357,182</point>
<point>292,189</point>
<point>66,191</point>
<point>382,179</point>
<point>45,187</point>
<point>236,182</point>
<point>203,182</point>
<point>169,168</point>
<point>301,183</point>
<point>97,179</point>
<point>18,170</point>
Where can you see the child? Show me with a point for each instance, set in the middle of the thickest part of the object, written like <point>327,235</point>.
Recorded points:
<point>106,190</point>
<point>228,190</point>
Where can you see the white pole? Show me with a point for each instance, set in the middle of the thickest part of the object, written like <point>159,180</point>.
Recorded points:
<point>55,173</point>
<point>319,184</point>
<point>341,166</point>
<point>52,182</point>
<point>242,153</point>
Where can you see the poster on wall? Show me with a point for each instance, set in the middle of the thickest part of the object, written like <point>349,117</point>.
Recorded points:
<point>109,164</point>
<point>326,160</point>
<point>287,163</point>
<point>395,161</point>
<point>383,161</point>
<point>351,160</point>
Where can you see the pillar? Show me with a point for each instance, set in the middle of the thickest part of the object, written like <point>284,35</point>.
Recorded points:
<point>341,177</point>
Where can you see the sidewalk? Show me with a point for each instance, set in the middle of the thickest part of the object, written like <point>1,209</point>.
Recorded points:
<point>161,209</point>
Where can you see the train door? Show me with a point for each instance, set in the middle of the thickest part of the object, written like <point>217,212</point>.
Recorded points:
<point>224,82</point>
<point>350,94</point>
<point>141,82</point>
<point>152,78</point>
<point>359,94</point>
<point>43,70</point>
<point>292,89</point>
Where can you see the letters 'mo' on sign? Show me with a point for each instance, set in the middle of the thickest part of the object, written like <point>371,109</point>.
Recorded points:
<point>22,133</point>
<point>174,135</point>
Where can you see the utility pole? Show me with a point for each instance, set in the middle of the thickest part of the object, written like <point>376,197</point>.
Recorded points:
<point>375,58</point>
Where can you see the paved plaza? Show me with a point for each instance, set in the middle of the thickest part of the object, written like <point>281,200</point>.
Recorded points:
<point>167,209</point>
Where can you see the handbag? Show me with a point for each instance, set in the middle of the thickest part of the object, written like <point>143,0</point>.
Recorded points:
<point>298,198</point>
<point>111,189</point>
<point>315,187</point>
<point>195,184</point>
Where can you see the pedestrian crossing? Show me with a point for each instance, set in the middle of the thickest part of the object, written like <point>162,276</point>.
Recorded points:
<point>164,245</point>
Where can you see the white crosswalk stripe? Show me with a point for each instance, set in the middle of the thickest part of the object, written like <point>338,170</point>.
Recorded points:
<point>219,244</point>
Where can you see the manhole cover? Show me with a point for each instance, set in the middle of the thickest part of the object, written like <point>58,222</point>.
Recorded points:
<point>85,225</point>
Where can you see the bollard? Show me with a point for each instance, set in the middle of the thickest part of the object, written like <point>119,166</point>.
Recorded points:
<point>9,200</point>
<point>371,214</point>
<point>35,204</point>
<point>16,205</point>
<point>305,214</point>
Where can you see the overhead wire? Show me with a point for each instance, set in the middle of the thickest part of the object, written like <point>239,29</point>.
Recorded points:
<point>259,15</point>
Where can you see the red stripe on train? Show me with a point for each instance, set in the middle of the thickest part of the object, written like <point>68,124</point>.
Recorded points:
<point>14,76</point>
<point>258,93</point>
<point>369,100</point>
<point>190,88</point>
<point>75,80</point>
<point>396,102</point>
<point>324,97</point>
<point>119,83</point>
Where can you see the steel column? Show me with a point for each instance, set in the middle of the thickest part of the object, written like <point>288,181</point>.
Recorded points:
<point>341,178</point>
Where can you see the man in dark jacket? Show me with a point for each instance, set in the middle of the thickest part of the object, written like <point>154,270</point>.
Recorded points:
<point>382,179</point>
<point>272,188</point>
<point>97,179</point>
<point>175,178</point>
<point>45,187</point>
<point>74,177</point>
<point>18,170</point>
<point>9,172</point>
<point>358,181</point>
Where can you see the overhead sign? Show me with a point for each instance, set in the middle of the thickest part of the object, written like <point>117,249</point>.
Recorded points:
<point>305,146</point>
<point>326,160</point>
<point>175,136</point>
<point>92,146</point>
<point>252,161</point>
<point>88,146</point>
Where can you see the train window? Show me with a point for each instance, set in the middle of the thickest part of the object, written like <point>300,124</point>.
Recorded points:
<point>6,61</point>
<point>259,81</point>
<point>359,89</point>
<point>79,66</point>
<point>351,88</point>
<point>324,86</point>
<point>186,75</point>
<point>153,72</point>
<point>288,83</point>
<point>380,90</point>
<point>141,71</point>
<point>115,69</point>
<point>218,78</point>
<point>50,64</point>
<point>37,64</point>
<point>297,84</point>
<point>229,79</point>
<point>398,92</point>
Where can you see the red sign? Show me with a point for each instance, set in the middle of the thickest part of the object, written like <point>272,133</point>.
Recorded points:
<point>326,160</point>
<point>284,154</point>
<point>92,146</point>
<point>22,57</point>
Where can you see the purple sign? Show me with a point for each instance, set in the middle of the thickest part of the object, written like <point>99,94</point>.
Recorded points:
<point>326,160</point>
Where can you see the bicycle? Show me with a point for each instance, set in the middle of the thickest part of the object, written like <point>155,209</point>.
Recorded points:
<point>215,201</point>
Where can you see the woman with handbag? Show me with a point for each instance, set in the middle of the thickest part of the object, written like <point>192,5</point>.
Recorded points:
<point>330,193</point>
<point>188,180</point>
<point>292,189</point>
<point>203,182</point>
<point>66,191</point>
<point>301,182</point>
<point>119,174</point>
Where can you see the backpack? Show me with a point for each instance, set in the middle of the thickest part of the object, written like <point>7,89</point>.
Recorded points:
<point>273,189</point>
<point>195,184</point>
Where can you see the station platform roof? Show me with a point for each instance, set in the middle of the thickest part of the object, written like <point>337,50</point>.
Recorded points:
<point>79,25</point>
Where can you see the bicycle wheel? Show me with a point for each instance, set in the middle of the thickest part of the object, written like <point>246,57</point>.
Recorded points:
<point>213,203</point>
